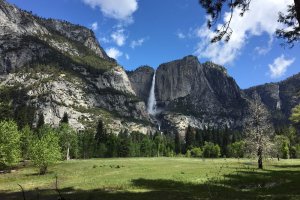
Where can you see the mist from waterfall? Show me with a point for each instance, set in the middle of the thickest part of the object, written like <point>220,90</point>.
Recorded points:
<point>151,107</point>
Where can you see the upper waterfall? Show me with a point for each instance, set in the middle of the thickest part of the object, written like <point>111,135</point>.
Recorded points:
<point>151,107</point>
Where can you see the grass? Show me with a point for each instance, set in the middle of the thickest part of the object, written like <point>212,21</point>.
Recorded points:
<point>157,178</point>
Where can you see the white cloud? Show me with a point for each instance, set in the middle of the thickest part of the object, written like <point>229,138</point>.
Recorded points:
<point>137,43</point>
<point>94,26</point>
<point>114,53</point>
<point>127,57</point>
<point>119,37</point>
<point>261,18</point>
<point>279,66</point>
<point>117,9</point>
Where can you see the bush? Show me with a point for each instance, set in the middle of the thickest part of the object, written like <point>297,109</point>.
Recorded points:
<point>45,150</point>
<point>210,150</point>
<point>282,144</point>
<point>237,149</point>
<point>10,150</point>
<point>196,152</point>
<point>188,153</point>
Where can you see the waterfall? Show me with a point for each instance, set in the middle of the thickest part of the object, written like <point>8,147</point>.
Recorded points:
<point>151,107</point>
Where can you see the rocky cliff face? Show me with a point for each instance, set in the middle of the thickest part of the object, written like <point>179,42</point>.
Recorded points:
<point>190,93</point>
<point>60,67</point>
<point>280,98</point>
<point>201,95</point>
<point>141,80</point>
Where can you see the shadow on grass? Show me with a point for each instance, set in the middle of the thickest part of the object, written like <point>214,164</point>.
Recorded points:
<point>258,184</point>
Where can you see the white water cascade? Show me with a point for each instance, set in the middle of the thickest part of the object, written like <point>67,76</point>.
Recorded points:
<point>151,107</point>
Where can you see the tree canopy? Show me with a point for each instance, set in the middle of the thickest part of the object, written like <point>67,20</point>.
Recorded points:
<point>215,8</point>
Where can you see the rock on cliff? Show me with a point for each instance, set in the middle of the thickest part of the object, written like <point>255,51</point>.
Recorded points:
<point>201,95</point>
<point>141,80</point>
<point>60,67</point>
<point>280,98</point>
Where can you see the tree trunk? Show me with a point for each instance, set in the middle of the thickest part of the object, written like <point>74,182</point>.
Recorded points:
<point>297,7</point>
<point>260,160</point>
<point>68,152</point>
<point>43,169</point>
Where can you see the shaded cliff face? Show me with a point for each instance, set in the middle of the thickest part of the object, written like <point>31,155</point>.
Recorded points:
<point>141,80</point>
<point>62,68</point>
<point>280,98</point>
<point>199,94</point>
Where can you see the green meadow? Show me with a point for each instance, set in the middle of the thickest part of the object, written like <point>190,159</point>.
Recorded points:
<point>156,178</point>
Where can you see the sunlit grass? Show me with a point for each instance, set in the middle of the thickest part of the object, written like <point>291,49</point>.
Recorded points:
<point>129,176</point>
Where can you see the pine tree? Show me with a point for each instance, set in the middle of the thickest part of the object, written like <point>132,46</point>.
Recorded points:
<point>65,118</point>
<point>177,144</point>
<point>189,138</point>
<point>41,121</point>
<point>199,138</point>
<point>100,136</point>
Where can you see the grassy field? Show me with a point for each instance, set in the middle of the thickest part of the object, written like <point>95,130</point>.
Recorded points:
<point>157,178</point>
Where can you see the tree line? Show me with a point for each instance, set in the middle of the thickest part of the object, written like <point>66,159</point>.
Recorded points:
<point>44,145</point>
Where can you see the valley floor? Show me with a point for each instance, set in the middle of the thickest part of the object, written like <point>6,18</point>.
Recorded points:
<point>157,178</point>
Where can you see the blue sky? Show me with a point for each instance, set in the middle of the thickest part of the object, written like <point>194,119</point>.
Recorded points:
<point>151,32</point>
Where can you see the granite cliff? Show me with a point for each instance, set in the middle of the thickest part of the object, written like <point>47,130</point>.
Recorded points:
<point>60,67</point>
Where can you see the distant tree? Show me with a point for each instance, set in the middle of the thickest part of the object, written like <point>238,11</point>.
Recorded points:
<point>282,144</point>
<point>68,141</point>
<point>41,121</point>
<point>45,150</point>
<point>196,152</point>
<point>199,138</point>
<point>214,9</point>
<point>124,144</point>
<point>112,145</point>
<point>190,139</point>
<point>295,116</point>
<point>10,152</point>
<point>210,150</point>
<point>65,118</point>
<point>146,145</point>
<point>101,135</point>
<point>236,149</point>
<point>177,143</point>
<point>258,131</point>
<point>26,139</point>
<point>86,143</point>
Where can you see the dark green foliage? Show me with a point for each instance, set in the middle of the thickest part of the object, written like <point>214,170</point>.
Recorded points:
<point>14,106</point>
<point>177,143</point>
<point>124,144</point>
<point>190,139</point>
<point>65,118</point>
<point>236,149</point>
<point>41,121</point>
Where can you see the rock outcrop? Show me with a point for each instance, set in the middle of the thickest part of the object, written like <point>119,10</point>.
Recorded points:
<point>280,98</point>
<point>141,80</point>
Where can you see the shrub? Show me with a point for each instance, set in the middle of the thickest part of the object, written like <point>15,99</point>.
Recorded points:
<point>196,152</point>
<point>210,150</point>
<point>188,153</point>
<point>45,150</point>
<point>237,149</point>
